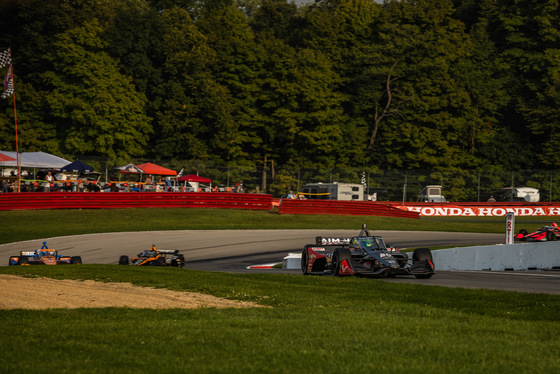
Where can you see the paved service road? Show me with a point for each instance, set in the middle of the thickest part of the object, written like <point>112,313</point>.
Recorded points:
<point>234,250</point>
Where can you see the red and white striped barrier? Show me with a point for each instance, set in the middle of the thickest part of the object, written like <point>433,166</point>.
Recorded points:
<point>449,210</point>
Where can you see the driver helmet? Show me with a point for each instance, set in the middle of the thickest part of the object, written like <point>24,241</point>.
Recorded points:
<point>367,242</point>
<point>554,224</point>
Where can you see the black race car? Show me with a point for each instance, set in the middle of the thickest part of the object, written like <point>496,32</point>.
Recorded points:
<point>364,255</point>
<point>154,257</point>
<point>545,233</point>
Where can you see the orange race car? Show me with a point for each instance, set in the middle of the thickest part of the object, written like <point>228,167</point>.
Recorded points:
<point>154,257</point>
<point>43,256</point>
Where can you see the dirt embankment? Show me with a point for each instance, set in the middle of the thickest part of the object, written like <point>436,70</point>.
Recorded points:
<point>44,293</point>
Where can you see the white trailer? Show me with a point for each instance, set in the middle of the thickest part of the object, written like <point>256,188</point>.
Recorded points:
<point>333,191</point>
<point>527,194</point>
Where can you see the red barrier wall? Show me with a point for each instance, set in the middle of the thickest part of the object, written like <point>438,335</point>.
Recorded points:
<point>105,200</point>
<point>349,208</point>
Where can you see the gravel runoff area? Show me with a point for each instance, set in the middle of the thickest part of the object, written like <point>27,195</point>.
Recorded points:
<point>44,293</point>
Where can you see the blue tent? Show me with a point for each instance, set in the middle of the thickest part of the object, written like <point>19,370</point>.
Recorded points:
<point>77,167</point>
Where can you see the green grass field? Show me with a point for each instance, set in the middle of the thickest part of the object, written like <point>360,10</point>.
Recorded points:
<point>315,325</point>
<point>36,224</point>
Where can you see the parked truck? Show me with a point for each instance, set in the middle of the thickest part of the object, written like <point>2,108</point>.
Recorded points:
<point>431,194</point>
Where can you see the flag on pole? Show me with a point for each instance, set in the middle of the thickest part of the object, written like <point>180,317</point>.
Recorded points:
<point>5,58</point>
<point>8,84</point>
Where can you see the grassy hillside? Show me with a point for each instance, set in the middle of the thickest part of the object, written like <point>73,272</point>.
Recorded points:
<point>316,324</point>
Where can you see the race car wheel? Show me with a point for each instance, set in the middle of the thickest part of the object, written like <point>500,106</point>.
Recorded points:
<point>179,262</point>
<point>76,260</point>
<point>23,260</point>
<point>160,261</point>
<point>422,254</point>
<point>304,260</point>
<point>123,260</point>
<point>523,231</point>
<point>339,255</point>
<point>550,236</point>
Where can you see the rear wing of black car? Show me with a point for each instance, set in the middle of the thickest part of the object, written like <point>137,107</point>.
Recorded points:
<point>325,241</point>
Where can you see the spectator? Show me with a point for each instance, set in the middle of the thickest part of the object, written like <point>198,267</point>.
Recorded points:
<point>160,186</point>
<point>8,186</point>
<point>81,181</point>
<point>491,199</point>
<point>49,179</point>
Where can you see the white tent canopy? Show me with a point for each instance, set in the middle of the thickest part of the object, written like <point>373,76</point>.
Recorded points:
<point>40,160</point>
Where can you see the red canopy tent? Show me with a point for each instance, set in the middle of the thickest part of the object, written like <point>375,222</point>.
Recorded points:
<point>193,178</point>
<point>154,169</point>
<point>4,158</point>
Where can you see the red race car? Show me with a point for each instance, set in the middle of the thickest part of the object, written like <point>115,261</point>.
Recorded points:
<point>545,233</point>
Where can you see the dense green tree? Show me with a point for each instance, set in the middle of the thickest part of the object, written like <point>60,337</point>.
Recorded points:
<point>341,30</point>
<point>438,84</point>
<point>527,35</point>
<point>190,101</point>
<point>236,67</point>
<point>96,109</point>
<point>429,69</point>
<point>133,37</point>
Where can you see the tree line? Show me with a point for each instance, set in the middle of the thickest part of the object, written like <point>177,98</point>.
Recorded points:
<point>426,84</point>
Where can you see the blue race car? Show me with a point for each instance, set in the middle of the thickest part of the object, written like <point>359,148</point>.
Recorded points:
<point>44,256</point>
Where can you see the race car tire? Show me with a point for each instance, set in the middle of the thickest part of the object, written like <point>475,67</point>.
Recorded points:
<point>160,262</point>
<point>23,260</point>
<point>178,262</point>
<point>422,254</point>
<point>123,260</point>
<point>76,260</point>
<point>523,231</point>
<point>339,255</point>
<point>304,260</point>
<point>550,236</point>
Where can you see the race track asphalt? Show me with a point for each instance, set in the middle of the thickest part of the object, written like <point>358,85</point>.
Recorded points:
<point>235,250</point>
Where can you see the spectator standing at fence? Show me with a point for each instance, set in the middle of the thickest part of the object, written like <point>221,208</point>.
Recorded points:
<point>491,199</point>
<point>49,179</point>
<point>81,187</point>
